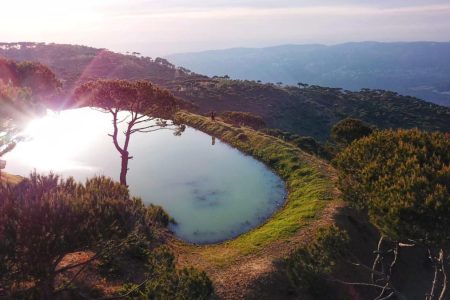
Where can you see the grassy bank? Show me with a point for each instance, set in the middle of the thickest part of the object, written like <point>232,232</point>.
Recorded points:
<point>307,179</point>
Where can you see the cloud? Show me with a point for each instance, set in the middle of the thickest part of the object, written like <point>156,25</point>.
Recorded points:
<point>157,27</point>
<point>240,12</point>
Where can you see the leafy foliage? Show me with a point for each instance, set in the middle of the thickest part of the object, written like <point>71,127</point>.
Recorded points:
<point>308,266</point>
<point>33,75</point>
<point>348,130</point>
<point>135,96</point>
<point>14,101</point>
<point>239,118</point>
<point>138,247</point>
<point>158,215</point>
<point>166,282</point>
<point>402,179</point>
<point>43,218</point>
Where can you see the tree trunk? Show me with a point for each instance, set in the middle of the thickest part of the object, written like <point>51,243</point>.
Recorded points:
<point>124,168</point>
<point>46,289</point>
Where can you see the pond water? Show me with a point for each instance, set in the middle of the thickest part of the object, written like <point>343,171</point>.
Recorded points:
<point>213,191</point>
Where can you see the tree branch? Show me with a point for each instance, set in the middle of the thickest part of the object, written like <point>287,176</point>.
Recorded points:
<point>388,296</point>
<point>377,258</point>
<point>358,283</point>
<point>394,261</point>
<point>380,296</point>
<point>69,267</point>
<point>430,296</point>
<point>114,135</point>
<point>118,296</point>
<point>444,275</point>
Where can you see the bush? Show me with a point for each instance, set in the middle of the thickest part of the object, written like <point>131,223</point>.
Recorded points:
<point>401,178</point>
<point>240,118</point>
<point>308,266</point>
<point>166,282</point>
<point>43,218</point>
<point>158,216</point>
<point>348,130</point>
<point>307,144</point>
<point>242,137</point>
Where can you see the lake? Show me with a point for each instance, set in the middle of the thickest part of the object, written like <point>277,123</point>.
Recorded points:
<point>213,191</point>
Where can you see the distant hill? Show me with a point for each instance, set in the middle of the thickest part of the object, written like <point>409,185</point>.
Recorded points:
<point>74,64</point>
<point>305,110</point>
<point>419,69</point>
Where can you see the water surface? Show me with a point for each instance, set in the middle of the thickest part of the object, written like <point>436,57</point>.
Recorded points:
<point>213,191</point>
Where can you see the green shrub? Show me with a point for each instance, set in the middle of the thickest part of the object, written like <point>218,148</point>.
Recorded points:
<point>44,218</point>
<point>401,178</point>
<point>242,137</point>
<point>307,267</point>
<point>167,282</point>
<point>348,130</point>
<point>240,118</point>
<point>158,216</point>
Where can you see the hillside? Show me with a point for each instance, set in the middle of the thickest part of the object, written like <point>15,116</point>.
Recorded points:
<point>418,69</point>
<point>305,110</point>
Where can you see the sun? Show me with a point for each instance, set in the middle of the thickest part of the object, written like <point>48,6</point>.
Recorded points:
<point>53,142</point>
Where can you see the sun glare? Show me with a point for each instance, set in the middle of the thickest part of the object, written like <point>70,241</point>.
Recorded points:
<point>55,140</point>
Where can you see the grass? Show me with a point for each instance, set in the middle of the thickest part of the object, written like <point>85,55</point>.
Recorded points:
<point>308,184</point>
<point>9,178</point>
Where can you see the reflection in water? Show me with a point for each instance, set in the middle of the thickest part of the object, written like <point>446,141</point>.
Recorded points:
<point>214,193</point>
<point>213,140</point>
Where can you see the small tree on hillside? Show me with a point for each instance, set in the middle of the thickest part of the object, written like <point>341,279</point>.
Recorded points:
<point>348,130</point>
<point>402,180</point>
<point>144,105</point>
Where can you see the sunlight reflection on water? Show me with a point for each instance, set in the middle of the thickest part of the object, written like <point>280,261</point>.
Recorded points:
<point>213,191</point>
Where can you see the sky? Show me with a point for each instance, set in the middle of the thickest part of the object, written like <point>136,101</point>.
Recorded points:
<point>157,28</point>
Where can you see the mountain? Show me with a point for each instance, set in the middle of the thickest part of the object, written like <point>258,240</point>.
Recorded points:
<point>417,69</point>
<point>305,110</point>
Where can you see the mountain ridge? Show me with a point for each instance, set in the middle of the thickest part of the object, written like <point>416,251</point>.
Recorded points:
<point>411,68</point>
<point>304,110</point>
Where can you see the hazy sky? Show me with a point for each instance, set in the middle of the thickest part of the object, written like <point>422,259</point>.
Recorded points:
<point>162,27</point>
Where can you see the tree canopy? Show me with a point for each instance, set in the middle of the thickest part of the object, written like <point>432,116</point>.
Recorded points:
<point>348,130</point>
<point>402,179</point>
<point>33,75</point>
<point>136,96</point>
